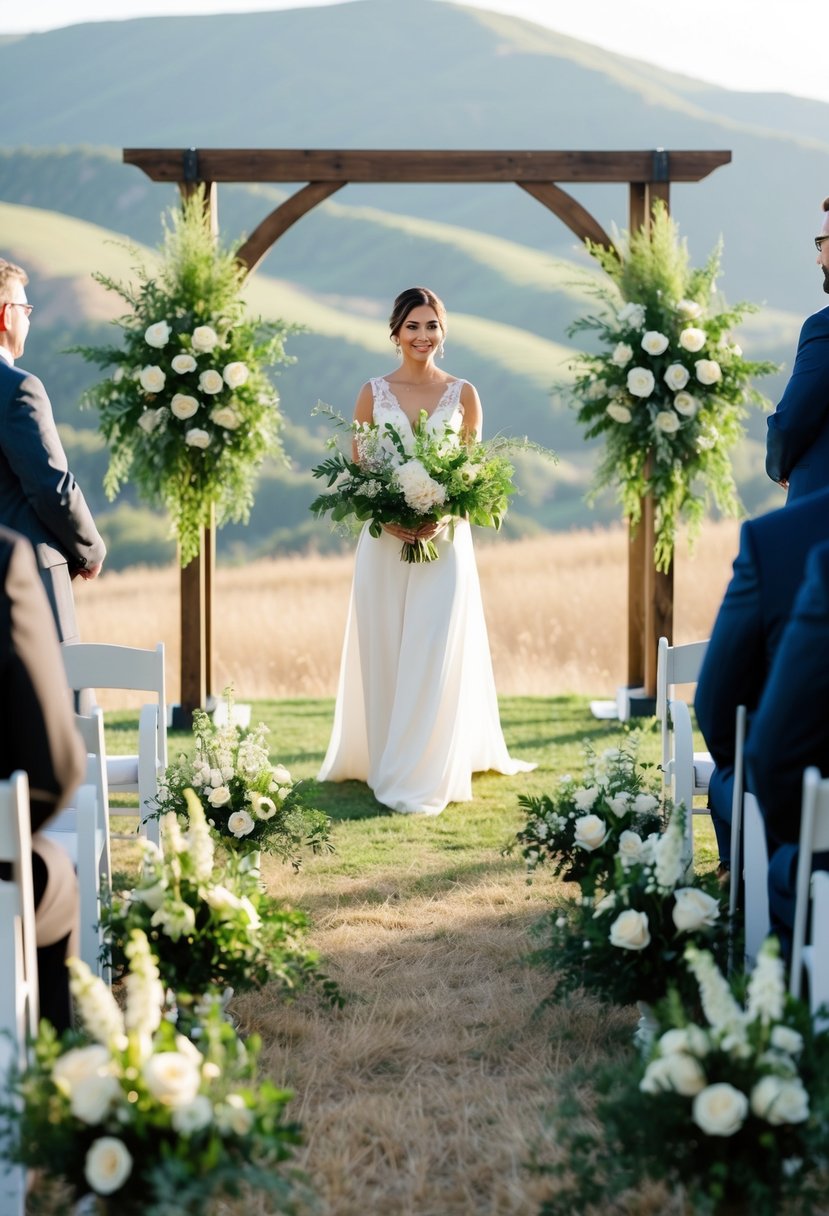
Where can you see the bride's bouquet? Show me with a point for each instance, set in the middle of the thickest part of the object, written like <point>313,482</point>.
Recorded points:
<point>409,480</point>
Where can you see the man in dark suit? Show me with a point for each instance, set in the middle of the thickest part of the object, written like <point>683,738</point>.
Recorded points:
<point>39,736</point>
<point>768,570</point>
<point>39,497</point>
<point>797,442</point>
<point>789,733</point>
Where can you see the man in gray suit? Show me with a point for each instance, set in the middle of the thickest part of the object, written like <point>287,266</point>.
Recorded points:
<point>39,497</point>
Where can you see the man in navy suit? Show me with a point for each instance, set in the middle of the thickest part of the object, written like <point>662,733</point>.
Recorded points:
<point>797,442</point>
<point>768,570</point>
<point>39,497</point>
<point>789,733</point>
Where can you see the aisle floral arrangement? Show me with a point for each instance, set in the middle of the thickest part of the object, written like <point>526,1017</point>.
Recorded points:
<point>581,829</point>
<point>131,1112</point>
<point>251,804</point>
<point>189,412</point>
<point>210,929</point>
<point>670,387</point>
<point>733,1106</point>
<point>412,477</point>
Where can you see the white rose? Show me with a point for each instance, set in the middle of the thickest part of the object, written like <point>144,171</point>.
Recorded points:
<point>210,381</point>
<point>691,1039</point>
<point>783,1038</point>
<point>689,309</point>
<point>157,335</point>
<point>183,406</point>
<point>151,379</point>
<point>78,1065</point>
<point>183,364</point>
<point>108,1165</point>
<point>667,422</point>
<point>172,1077</point>
<point>630,848</point>
<point>780,1100</point>
<point>643,804</point>
<point>633,315</point>
<point>152,896</point>
<point>590,832</point>
<point>226,417</point>
<point>708,371</point>
<point>694,910</point>
<point>281,774</point>
<point>220,796</point>
<point>193,1116</point>
<point>204,339</point>
<point>262,807</point>
<point>676,376</point>
<point>92,1099</point>
<point>692,339</point>
<point>686,403</point>
<point>619,412</point>
<point>653,342</point>
<point>234,1116</point>
<point>235,375</point>
<point>585,798</point>
<point>150,419</point>
<point>678,1072</point>
<point>240,823</point>
<point>222,900</point>
<point>605,905</point>
<point>720,1110</point>
<point>622,354</point>
<point>619,804</point>
<point>630,931</point>
<point>640,382</point>
<point>197,438</point>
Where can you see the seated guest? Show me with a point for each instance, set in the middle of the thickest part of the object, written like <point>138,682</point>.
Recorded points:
<point>768,570</point>
<point>790,732</point>
<point>39,737</point>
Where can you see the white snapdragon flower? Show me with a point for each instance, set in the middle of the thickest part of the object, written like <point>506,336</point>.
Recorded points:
<point>183,406</point>
<point>686,404</point>
<point>667,422</point>
<point>669,863</point>
<point>692,339</point>
<point>204,339</point>
<point>108,1165</point>
<point>676,376</point>
<point>622,354</point>
<point>720,1110</point>
<point>175,919</point>
<point>590,832</point>
<point>723,1013</point>
<point>235,375</point>
<point>618,412</point>
<point>199,840</point>
<point>96,1005</point>
<point>145,992</point>
<point>182,364</point>
<point>630,930</point>
<point>767,988</point>
<point>157,335</point>
<point>197,438</point>
<point>708,371</point>
<point>653,342</point>
<point>152,379</point>
<point>640,382</point>
<point>606,904</point>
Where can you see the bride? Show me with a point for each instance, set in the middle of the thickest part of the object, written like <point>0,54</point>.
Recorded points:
<point>416,711</point>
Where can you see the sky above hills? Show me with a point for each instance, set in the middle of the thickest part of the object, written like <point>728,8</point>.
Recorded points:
<point>738,44</point>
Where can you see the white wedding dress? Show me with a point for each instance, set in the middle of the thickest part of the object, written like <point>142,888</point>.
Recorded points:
<point>416,711</point>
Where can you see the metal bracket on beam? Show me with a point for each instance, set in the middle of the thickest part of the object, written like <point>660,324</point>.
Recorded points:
<point>190,165</point>
<point>661,167</point>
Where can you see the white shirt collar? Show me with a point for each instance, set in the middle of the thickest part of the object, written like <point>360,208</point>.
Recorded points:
<point>4,354</point>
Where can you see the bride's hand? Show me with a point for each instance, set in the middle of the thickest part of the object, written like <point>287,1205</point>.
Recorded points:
<point>432,529</point>
<point>405,534</point>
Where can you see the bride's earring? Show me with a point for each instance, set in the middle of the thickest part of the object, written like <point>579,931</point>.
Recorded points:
<point>441,350</point>
<point>398,348</point>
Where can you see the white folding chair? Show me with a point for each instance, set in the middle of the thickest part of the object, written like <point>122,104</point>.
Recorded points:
<point>19,1001</point>
<point>83,831</point>
<point>816,954</point>
<point>748,839</point>
<point>91,665</point>
<point>814,838</point>
<point>685,773</point>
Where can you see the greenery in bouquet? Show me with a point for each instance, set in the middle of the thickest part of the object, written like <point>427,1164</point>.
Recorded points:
<point>188,412</point>
<point>629,945</point>
<point>732,1105</point>
<point>251,804</point>
<point>669,388</point>
<point>134,1113</point>
<point>581,829</point>
<point>414,477</point>
<point>209,930</point>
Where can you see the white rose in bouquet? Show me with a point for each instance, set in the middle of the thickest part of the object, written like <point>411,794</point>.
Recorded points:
<point>654,343</point>
<point>692,339</point>
<point>689,309</point>
<point>585,798</point>
<point>204,339</point>
<point>676,376</point>
<point>183,364</point>
<point>210,381</point>
<point>240,823</point>
<point>686,403</point>
<point>632,315</point>
<point>219,796</point>
<point>622,354</point>
<point>640,382</point>
<point>630,849</point>
<point>694,910</point>
<point>590,832</point>
<point>197,438</point>
<point>91,1100</point>
<point>193,1116</point>
<point>78,1065</point>
<point>108,1165</point>
<point>667,422</point>
<point>677,1072</point>
<point>226,417</point>
<point>708,371</point>
<point>235,375</point>
<point>630,930</point>
<point>157,335</point>
<point>152,379</point>
<point>150,419</point>
<point>172,1077</point>
<point>780,1100</point>
<point>183,406</point>
<point>619,412</point>
<point>783,1038</point>
<point>720,1110</point>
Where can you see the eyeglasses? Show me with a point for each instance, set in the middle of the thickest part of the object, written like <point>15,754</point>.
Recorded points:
<point>27,308</point>
<point>820,239</point>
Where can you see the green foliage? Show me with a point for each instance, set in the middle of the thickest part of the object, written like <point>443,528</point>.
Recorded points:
<point>670,391</point>
<point>189,413</point>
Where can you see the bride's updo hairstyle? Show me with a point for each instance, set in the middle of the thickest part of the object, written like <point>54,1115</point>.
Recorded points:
<point>411,298</point>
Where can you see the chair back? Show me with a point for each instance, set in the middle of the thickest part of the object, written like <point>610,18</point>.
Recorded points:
<point>102,665</point>
<point>19,1000</point>
<point>814,838</point>
<point>674,665</point>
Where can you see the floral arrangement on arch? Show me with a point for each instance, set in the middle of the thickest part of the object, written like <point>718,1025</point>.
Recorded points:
<point>189,412</point>
<point>411,477</point>
<point>732,1103</point>
<point>209,930</point>
<point>251,805</point>
<point>669,388</point>
<point>131,1112</point>
<point>581,829</point>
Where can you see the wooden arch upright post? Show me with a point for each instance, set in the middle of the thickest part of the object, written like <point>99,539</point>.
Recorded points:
<point>648,175</point>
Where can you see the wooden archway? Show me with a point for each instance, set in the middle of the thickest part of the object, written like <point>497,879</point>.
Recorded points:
<point>648,174</point>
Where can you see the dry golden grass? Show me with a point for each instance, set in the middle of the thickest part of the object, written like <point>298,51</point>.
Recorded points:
<point>556,609</point>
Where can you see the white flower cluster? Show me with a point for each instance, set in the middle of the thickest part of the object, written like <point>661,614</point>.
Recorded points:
<point>777,1095</point>
<point>421,492</point>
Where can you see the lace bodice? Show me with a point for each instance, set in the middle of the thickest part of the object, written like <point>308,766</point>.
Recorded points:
<point>388,409</point>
